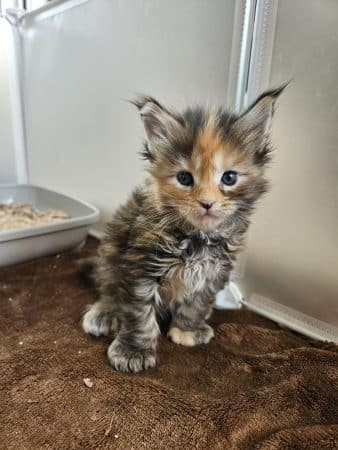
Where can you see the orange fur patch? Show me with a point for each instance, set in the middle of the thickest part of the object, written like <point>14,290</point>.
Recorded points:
<point>209,156</point>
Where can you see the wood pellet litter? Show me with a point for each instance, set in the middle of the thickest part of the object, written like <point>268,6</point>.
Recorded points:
<point>18,215</point>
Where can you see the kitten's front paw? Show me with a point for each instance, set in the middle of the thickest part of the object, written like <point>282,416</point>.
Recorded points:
<point>125,360</point>
<point>202,335</point>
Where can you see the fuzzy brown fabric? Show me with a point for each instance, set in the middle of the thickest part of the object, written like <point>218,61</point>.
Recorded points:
<point>255,386</point>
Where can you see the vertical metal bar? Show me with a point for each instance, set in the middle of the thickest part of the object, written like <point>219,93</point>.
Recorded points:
<point>17,96</point>
<point>262,48</point>
<point>248,26</point>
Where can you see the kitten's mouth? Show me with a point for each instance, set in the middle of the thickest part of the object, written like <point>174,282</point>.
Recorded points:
<point>208,214</point>
<point>208,219</point>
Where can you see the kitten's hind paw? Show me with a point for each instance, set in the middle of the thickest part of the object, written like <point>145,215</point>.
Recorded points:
<point>98,323</point>
<point>202,335</point>
<point>125,360</point>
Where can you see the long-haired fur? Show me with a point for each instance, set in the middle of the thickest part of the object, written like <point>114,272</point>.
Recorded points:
<point>173,244</point>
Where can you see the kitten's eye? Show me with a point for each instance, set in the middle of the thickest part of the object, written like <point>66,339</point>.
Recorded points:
<point>185,178</point>
<point>229,178</point>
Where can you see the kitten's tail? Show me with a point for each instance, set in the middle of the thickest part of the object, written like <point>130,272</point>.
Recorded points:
<point>86,268</point>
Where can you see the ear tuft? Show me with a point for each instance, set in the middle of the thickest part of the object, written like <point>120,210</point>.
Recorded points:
<point>272,94</point>
<point>141,100</point>
<point>160,124</point>
<point>252,128</point>
<point>147,154</point>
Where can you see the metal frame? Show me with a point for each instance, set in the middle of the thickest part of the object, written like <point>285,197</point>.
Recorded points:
<point>262,48</point>
<point>242,16</point>
<point>16,93</point>
<point>293,319</point>
<point>251,55</point>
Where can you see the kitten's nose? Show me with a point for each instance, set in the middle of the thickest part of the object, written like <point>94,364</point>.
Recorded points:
<point>207,204</point>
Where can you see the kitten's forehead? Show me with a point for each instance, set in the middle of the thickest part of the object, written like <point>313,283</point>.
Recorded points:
<point>204,147</point>
<point>211,150</point>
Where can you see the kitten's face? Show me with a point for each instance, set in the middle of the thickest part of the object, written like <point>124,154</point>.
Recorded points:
<point>208,185</point>
<point>207,165</point>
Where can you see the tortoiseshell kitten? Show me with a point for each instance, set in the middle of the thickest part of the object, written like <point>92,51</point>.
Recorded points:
<point>173,244</point>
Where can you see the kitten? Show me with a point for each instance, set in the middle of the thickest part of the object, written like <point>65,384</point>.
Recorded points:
<point>173,244</point>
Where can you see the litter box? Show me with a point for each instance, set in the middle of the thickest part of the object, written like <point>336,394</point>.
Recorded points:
<point>23,244</point>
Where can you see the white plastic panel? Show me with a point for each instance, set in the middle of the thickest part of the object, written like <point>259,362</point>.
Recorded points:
<point>7,145</point>
<point>81,65</point>
<point>292,253</point>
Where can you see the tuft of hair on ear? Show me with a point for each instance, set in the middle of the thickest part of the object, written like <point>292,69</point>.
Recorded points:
<point>162,126</point>
<point>149,106</point>
<point>146,153</point>
<point>271,94</point>
<point>141,100</point>
<point>252,128</point>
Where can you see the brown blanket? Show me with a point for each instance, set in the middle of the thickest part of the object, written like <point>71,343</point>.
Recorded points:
<point>255,386</point>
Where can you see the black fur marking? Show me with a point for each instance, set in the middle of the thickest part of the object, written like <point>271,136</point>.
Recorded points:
<point>225,121</point>
<point>182,148</point>
<point>270,93</point>
<point>86,267</point>
<point>195,120</point>
<point>146,153</point>
<point>193,244</point>
<point>262,157</point>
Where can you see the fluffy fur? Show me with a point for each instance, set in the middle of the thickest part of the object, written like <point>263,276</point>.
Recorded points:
<point>173,246</point>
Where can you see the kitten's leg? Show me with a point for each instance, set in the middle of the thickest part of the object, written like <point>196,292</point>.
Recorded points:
<point>188,326</point>
<point>98,319</point>
<point>134,348</point>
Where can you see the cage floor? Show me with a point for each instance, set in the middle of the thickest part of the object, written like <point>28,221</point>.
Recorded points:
<point>255,386</point>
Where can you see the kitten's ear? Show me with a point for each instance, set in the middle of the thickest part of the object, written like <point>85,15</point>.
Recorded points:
<point>253,126</point>
<point>160,124</point>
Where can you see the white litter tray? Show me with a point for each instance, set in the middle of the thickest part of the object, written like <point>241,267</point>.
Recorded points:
<point>22,244</point>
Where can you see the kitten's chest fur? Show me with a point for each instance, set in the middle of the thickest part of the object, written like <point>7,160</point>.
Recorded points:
<point>198,269</point>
